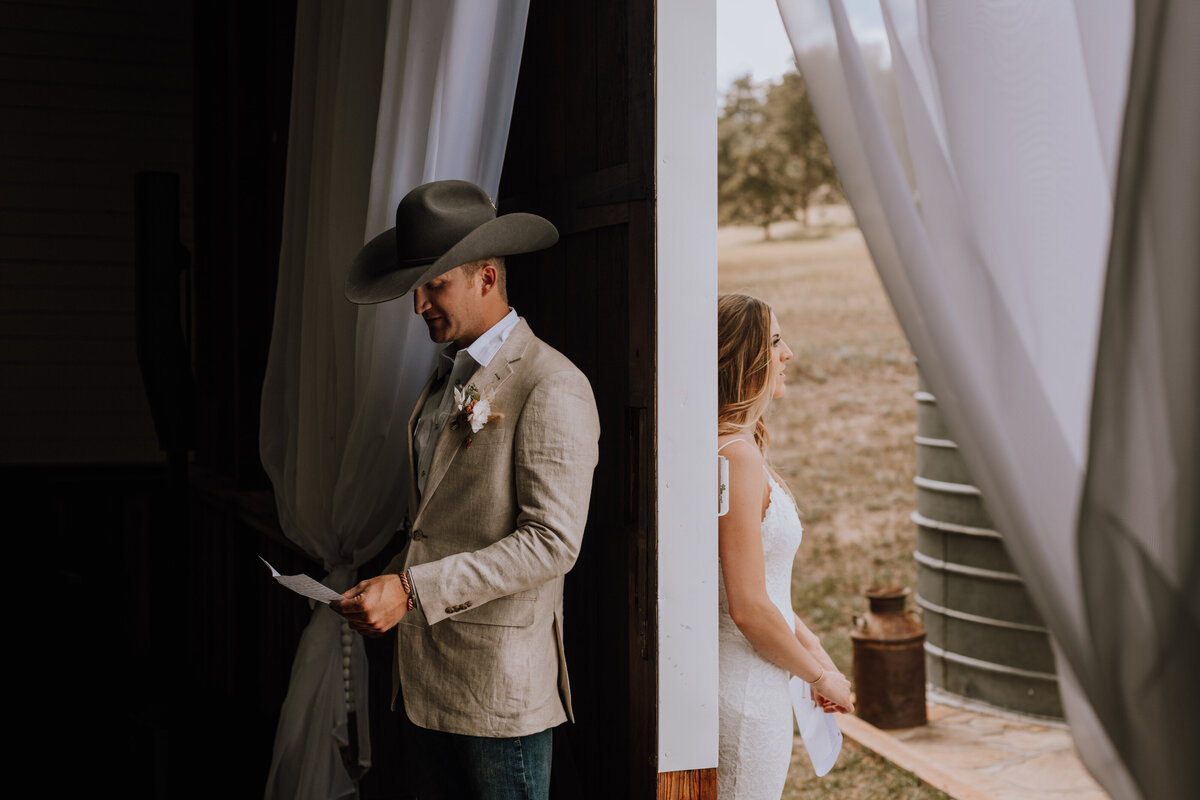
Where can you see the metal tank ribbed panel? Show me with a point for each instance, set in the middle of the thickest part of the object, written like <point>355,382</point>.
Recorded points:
<point>984,638</point>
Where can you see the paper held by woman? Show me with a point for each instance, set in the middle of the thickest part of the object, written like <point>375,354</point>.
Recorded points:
<point>819,730</point>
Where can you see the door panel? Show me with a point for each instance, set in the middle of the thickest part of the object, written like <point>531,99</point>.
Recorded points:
<point>580,153</point>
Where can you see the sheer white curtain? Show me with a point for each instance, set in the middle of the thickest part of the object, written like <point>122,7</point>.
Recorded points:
<point>986,202</point>
<point>1139,526</point>
<point>385,96</point>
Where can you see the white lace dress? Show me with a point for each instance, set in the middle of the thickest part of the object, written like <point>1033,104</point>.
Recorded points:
<point>754,706</point>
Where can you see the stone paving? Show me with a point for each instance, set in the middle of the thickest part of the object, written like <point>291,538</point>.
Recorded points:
<point>972,753</point>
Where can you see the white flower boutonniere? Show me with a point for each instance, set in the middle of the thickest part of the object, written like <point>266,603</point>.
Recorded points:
<point>472,409</point>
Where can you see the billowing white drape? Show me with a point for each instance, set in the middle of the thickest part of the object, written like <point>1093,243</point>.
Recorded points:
<point>986,202</point>
<point>1139,523</point>
<point>385,96</point>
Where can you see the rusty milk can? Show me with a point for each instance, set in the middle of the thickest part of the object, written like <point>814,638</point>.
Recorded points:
<point>889,661</point>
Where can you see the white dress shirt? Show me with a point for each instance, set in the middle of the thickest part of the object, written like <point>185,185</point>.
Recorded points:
<point>459,365</point>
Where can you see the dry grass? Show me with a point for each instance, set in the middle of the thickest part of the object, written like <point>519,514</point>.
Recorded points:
<point>843,440</point>
<point>859,775</point>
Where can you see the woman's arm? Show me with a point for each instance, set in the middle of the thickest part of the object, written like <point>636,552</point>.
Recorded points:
<point>741,552</point>
<point>809,641</point>
<point>812,644</point>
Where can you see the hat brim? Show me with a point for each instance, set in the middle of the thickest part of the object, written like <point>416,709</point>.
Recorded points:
<point>376,277</point>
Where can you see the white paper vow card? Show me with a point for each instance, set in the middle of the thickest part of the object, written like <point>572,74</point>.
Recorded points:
<point>304,585</point>
<point>820,732</point>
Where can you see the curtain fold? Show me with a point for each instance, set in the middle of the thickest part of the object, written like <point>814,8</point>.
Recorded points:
<point>988,217</point>
<point>1139,523</point>
<point>385,96</point>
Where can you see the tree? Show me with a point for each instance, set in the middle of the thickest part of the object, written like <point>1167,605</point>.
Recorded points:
<point>752,184</point>
<point>792,118</point>
<point>771,159</point>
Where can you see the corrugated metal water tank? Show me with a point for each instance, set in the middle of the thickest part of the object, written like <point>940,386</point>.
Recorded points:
<point>984,638</point>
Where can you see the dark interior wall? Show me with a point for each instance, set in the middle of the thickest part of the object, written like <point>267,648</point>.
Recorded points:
<point>158,646</point>
<point>90,94</point>
<point>243,91</point>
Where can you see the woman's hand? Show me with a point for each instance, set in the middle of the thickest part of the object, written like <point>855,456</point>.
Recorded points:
<point>827,705</point>
<point>832,688</point>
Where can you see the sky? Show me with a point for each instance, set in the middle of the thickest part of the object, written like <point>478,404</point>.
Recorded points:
<point>750,37</point>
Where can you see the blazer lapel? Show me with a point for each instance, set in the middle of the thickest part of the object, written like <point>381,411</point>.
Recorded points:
<point>487,381</point>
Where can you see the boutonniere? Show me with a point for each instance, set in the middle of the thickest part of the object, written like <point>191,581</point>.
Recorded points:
<point>473,410</point>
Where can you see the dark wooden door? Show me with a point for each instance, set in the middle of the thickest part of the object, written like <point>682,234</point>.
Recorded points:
<point>580,152</point>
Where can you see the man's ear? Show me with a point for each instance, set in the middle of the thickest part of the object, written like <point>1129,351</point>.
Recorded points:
<point>487,279</point>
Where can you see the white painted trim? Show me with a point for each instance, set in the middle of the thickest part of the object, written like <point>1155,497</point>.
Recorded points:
<point>686,241</point>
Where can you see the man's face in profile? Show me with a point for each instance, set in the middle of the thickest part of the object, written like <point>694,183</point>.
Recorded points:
<point>452,307</point>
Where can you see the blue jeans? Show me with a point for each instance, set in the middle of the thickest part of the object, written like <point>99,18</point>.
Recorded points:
<point>457,767</point>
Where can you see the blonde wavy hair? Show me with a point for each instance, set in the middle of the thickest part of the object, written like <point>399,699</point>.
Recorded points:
<point>745,380</point>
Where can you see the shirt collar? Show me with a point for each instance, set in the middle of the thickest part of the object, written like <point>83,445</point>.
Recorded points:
<point>484,349</point>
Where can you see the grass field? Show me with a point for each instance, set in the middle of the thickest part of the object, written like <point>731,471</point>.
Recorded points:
<point>843,440</point>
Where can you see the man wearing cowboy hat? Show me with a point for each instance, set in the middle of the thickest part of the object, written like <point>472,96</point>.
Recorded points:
<point>502,445</point>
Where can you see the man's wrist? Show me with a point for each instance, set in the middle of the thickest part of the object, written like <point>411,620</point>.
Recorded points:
<point>407,584</point>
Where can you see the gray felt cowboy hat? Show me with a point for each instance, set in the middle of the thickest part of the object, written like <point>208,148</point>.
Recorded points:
<point>439,226</point>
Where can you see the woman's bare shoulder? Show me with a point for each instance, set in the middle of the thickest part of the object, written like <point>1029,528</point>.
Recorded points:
<point>740,449</point>
<point>747,480</point>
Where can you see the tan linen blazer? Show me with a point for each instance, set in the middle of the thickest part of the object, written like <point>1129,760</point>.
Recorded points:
<point>499,524</point>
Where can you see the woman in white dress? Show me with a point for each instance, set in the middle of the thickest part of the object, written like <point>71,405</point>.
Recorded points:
<point>762,642</point>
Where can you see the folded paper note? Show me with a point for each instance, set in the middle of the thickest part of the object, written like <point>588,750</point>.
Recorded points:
<point>304,585</point>
<point>820,732</point>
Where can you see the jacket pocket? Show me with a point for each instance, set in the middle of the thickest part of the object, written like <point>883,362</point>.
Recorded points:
<point>513,611</point>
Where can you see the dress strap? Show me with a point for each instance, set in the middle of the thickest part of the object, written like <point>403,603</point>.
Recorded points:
<point>743,441</point>
<point>731,441</point>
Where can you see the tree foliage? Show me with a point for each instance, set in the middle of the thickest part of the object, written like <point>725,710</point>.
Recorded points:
<point>772,163</point>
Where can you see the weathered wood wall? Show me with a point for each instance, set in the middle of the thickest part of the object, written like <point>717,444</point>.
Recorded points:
<point>580,152</point>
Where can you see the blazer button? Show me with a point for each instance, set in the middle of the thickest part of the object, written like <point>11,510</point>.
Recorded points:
<point>450,609</point>
<point>416,535</point>
<point>467,604</point>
